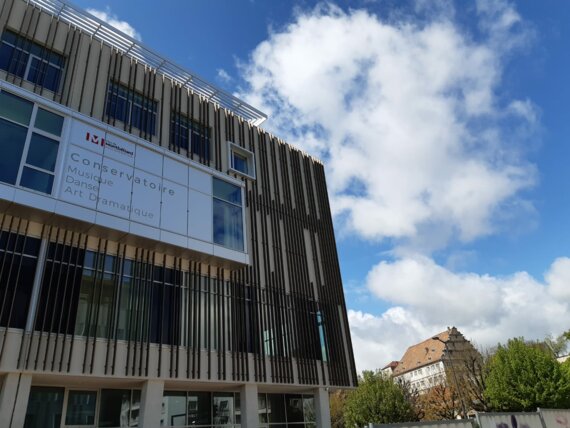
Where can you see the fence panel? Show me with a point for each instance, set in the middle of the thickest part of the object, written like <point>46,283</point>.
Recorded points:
<point>555,418</point>
<point>509,420</point>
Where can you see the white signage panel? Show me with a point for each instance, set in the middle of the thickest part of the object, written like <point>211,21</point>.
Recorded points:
<point>200,216</point>
<point>119,149</point>
<point>115,189</point>
<point>81,177</point>
<point>87,137</point>
<point>149,161</point>
<point>109,174</point>
<point>175,171</point>
<point>146,198</point>
<point>174,209</point>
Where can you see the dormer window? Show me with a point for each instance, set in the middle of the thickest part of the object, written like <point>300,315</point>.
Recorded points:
<point>241,161</point>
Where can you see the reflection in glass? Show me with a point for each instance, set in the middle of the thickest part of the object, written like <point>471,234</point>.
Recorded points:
<point>199,408</point>
<point>226,191</point>
<point>262,408</point>
<point>12,140</point>
<point>309,409</point>
<point>45,74</point>
<point>294,404</point>
<point>44,407</point>
<point>125,307</point>
<point>84,306</point>
<point>49,122</point>
<point>81,408</point>
<point>105,304</point>
<point>276,408</point>
<point>36,180</point>
<point>42,152</point>
<point>118,409</point>
<point>240,163</point>
<point>228,225</point>
<point>15,108</point>
<point>223,409</point>
<point>174,405</point>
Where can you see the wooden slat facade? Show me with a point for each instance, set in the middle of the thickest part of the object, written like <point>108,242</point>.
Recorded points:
<point>254,324</point>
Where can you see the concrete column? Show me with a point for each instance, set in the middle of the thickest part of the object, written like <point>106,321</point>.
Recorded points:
<point>248,406</point>
<point>14,399</point>
<point>151,404</point>
<point>322,409</point>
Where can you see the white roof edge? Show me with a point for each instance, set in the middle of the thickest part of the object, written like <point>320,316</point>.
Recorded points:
<point>104,32</point>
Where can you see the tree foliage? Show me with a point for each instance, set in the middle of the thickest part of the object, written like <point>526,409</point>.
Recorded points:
<point>337,402</point>
<point>565,367</point>
<point>377,400</point>
<point>440,402</point>
<point>523,377</point>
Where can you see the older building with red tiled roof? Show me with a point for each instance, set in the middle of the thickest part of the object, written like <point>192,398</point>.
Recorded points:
<point>424,364</point>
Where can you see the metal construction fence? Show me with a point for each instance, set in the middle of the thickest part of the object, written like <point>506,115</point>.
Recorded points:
<point>542,418</point>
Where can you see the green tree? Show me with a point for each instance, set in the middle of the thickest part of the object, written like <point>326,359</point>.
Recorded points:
<point>523,377</point>
<point>378,400</point>
<point>565,367</point>
<point>337,403</point>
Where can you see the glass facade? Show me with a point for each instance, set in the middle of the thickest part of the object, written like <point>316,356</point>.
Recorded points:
<point>18,260</point>
<point>228,216</point>
<point>239,163</point>
<point>45,406</point>
<point>200,409</point>
<point>29,149</point>
<point>118,408</point>
<point>30,61</point>
<point>81,407</point>
<point>286,410</point>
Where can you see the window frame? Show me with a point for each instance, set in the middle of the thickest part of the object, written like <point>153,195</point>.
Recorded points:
<point>146,105</point>
<point>26,49</point>
<point>241,205</point>
<point>31,129</point>
<point>234,149</point>
<point>183,131</point>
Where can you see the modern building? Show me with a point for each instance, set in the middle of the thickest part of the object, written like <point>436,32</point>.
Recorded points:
<point>164,261</point>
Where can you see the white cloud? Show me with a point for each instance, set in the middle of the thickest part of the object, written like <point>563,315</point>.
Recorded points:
<point>428,298</point>
<point>422,147</point>
<point>408,117</point>
<point>223,76</point>
<point>114,21</point>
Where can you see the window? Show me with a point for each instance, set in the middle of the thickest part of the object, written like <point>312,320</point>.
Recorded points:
<point>97,285</point>
<point>19,257</point>
<point>241,160</point>
<point>45,406</point>
<point>183,409</point>
<point>81,408</point>
<point>119,408</point>
<point>59,293</point>
<point>131,108</point>
<point>29,143</point>
<point>280,410</point>
<point>228,216</point>
<point>190,135</point>
<point>321,326</point>
<point>30,61</point>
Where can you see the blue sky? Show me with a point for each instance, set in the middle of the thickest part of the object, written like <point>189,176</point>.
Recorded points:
<point>444,128</point>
